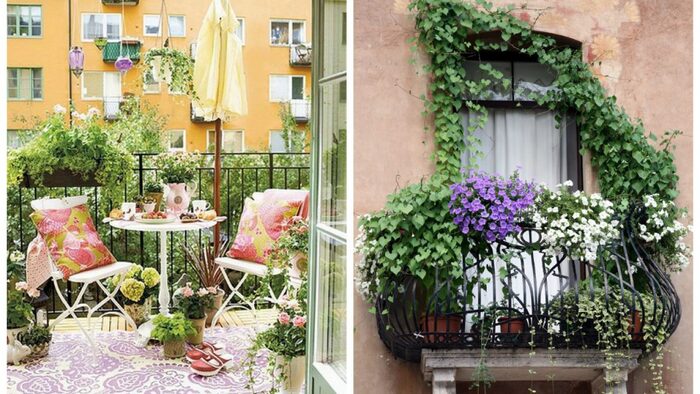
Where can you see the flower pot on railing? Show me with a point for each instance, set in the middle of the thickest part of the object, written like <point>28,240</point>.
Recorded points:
<point>440,328</point>
<point>512,325</point>
<point>178,197</point>
<point>62,178</point>
<point>198,337</point>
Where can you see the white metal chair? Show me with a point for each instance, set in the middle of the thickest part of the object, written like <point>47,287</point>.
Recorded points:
<point>248,269</point>
<point>86,278</point>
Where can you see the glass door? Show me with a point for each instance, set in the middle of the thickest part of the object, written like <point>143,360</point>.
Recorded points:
<point>328,330</point>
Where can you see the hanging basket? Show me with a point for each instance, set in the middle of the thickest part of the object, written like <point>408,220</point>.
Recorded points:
<point>100,42</point>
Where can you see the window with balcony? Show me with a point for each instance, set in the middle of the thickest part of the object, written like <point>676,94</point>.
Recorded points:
<point>232,141</point>
<point>24,21</point>
<point>277,142</point>
<point>287,32</point>
<point>25,84</point>
<point>99,85</point>
<point>287,87</point>
<point>101,25</point>
<point>152,26</point>
<point>176,140</point>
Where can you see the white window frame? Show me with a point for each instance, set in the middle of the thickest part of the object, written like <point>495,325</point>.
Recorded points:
<point>101,98</point>
<point>104,25</point>
<point>269,141</point>
<point>241,21</point>
<point>290,24</point>
<point>144,26</point>
<point>31,84</point>
<point>184,140</point>
<point>289,78</point>
<point>223,138</point>
<point>184,25</point>
<point>160,25</point>
<point>31,22</point>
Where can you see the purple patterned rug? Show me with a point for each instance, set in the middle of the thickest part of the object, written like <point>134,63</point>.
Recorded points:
<point>125,368</point>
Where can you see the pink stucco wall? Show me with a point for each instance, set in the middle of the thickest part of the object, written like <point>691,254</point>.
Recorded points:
<point>645,47</point>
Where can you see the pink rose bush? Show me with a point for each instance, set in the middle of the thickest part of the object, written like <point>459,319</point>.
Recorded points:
<point>193,304</point>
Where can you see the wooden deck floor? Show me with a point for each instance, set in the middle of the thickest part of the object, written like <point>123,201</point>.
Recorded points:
<point>233,318</point>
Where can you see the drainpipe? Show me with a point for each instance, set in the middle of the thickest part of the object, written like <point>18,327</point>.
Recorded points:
<point>70,76</point>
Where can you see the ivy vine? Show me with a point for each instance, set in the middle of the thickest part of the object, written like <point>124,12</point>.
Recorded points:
<point>627,165</point>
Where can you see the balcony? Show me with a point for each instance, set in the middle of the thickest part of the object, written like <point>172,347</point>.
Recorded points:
<point>197,119</point>
<point>112,107</point>
<point>120,2</point>
<point>300,55</point>
<point>127,47</point>
<point>531,301</point>
<point>301,110</point>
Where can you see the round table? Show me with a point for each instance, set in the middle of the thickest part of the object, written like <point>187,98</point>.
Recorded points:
<point>163,229</point>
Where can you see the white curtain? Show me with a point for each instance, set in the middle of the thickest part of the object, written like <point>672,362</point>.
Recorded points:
<point>524,139</point>
<point>530,141</point>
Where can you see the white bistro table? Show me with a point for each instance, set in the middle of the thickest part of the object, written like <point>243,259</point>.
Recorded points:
<point>163,229</point>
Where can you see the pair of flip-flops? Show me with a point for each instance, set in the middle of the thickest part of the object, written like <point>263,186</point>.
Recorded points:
<point>208,359</point>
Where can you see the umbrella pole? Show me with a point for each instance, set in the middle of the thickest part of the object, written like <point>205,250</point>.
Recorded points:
<point>217,183</point>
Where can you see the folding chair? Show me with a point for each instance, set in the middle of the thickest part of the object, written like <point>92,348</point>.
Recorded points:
<point>86,278</point>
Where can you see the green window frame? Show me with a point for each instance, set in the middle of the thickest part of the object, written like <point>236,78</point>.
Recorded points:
<point>24,20</point>
<point>25,84</point>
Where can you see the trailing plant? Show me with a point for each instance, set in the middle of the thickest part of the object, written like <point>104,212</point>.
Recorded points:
<point>84,147</point>
<point>177,167</point>
<point>627,165</point>
<point>172,66</point>
<point>173,328</point>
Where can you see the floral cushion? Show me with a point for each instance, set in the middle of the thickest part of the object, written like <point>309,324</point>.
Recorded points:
<point>263,220</point>
<point>72,239</point>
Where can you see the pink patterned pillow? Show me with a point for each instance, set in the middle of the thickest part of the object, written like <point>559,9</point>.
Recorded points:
<point>72,239</point>
<point>262,222</point>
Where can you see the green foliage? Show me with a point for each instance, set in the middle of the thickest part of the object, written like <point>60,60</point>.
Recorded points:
<point>19,311</point>
<point>627,165</point>
<point>139,127</point>
<point>177,167</point>
<point>173,328</point>
<point>37,335</point>
<point>177,64</point>
<point>295,138</point>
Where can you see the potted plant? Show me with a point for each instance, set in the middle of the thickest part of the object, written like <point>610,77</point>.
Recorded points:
<point>171,66</point>
<point>286,340</point>
<point>171,332</point>
<point>83,153</point>
<point>292,247</point>
<point>209,274</point>
<point>38,338</point>
<point>193,306</point>
<point>137,291</point>
<point>149,204</point>
<point>154,190</point>
<point>176,169</point>
<point>100,42</point>
<point>19,317</point>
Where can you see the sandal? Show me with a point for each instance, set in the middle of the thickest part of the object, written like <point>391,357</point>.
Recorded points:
<point>211,365</point>
<point>198,352</point>
<point>213,347</point>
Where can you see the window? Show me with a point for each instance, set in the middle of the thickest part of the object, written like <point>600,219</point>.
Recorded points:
<point>240,30</point>
<point>279,32</point>
<point>286,87</point>
<point>150,85</point>
<point>232,141</point>
<point>24,84</point>
<point>98,85</point>
<point>277,143</point>
<point>176,140</point>
<point>101,25</point>
<point>176,26</point>
<point>23,21</point>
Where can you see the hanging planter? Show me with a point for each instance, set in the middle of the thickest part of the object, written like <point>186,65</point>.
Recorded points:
<point>100,42</point>
<point>171,66</point>
<point>123,64</point>
<point>76,60</point>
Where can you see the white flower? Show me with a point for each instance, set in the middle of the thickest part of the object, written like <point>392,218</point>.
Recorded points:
<point>21,286</point>
<point>59,109</point>
<point>16,256</point>
<point>93,112</point>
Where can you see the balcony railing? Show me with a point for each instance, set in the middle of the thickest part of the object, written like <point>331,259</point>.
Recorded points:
<point>300,55</point>
<point>531,301</point>
<point>112,107</point>
<point>301,110</point>
<point>127,47</point>
<point>242,175</point>
<point>120,2</point>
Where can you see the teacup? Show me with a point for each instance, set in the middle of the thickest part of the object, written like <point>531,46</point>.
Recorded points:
<point>199,206</point>
<point>129,209</point>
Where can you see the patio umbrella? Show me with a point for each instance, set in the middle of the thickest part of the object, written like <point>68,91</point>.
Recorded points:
<point>219,80</point>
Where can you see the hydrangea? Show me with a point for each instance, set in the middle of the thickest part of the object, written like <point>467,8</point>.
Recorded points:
<point>490,204</point>
<point>665,233</point>
<point>132,289</point>
<point>574,222</point>
<point>134,271</point>
<point>150,277</point>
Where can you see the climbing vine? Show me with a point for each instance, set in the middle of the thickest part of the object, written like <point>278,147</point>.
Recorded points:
<point>628,166</point>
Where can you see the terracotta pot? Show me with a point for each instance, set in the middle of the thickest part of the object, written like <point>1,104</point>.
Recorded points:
<point>198,337</point>
<point>174,349</point>
<point>139,312</point>
<point>62,178</point>
<point>512,325</point>
<point>294,373</point>
<point>218,299</point>
<point>178,197</point>
<point>442,325</point>
<point>635,328</point>
<point>158,196</point>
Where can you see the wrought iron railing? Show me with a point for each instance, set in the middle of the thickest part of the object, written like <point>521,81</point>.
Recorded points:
<point>242,175</point>
<point>531,301</point>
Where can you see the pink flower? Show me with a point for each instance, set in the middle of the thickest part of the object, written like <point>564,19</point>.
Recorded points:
<point>187,291</point>
<point>202,292</point>
<point>34,293</point>
<point>299,321</point>
<point>21,286</point>
<point>212,290</point>
<point>283,318</point>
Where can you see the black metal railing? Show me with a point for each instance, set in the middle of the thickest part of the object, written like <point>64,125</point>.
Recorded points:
<point>242,174</point>
<point>529,300</point>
